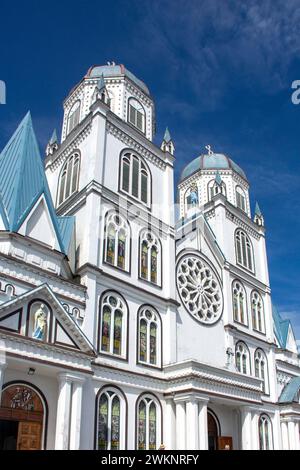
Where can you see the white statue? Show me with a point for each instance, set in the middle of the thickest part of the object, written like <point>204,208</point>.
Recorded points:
<point>40,323</point>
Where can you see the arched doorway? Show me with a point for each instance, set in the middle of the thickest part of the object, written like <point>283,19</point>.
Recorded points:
<point>23,415</point>
<point>213,431</point>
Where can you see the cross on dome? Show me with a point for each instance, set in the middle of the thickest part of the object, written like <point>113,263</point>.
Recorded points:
<point>209,149</point>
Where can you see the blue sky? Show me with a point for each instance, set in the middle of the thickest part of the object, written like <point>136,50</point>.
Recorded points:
<point>220,72</point>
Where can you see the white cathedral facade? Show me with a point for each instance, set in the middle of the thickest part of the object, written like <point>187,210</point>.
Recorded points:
<point>120,326</point>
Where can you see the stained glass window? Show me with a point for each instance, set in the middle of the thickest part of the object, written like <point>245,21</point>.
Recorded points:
<point>135,177</point>
<point>110,426</point>
<point>148,424</point>
<point>150,256</point>
<point>257,312</point>
<point>117,241</point>
<point>244,254</point>
<point>265,433</point>
<point>239,303</point>
<point>261,369</point>
<point>68,182</point>
<point>242,358</point>
<point>149,336</point>
<point>113,324</point>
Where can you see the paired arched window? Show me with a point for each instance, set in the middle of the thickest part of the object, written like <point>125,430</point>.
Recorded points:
<point>265,433</point>
<point>113,324</point>
<point>240,198</point>
<point>69,177</point>
<point>149,337</point>
<point>117,241</point>
<point>148,423</point>
<point>150,257</point>
<point>261,369</point>
<point>73,117</point>
<point>111,414</point>
<point>215,188</point>
<point>257,309</point>
<point>244,253</point>
<point>135,178</point>
<point>136,114</point>
<point>242,358</point>
<point>239,303</point>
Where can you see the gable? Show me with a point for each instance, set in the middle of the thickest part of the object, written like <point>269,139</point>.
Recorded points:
<point>39,316</point>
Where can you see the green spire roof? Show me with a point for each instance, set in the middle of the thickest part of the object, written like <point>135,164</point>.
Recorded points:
<point>218,178</point>
<point>23,180</point>
<point>257,210</point>
<point>101,83</point>
<point>53,139</point>
<point>167,136</point>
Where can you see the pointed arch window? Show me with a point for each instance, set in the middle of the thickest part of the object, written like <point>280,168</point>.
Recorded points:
<point>136,114</point>
<point>150,257</point>
<point>240,198</point>
<point>111,420</point>
<point>117,241</point>
<point>261,369</point>
<point>149,337</point>
<point>257,309</point>
<point>239,303</point>
<point>135,178</point>
<point>113,325</point>
<point>265,433</point>
<point>242,358</point>
<point>244,252</point>
<point>148,423</point>
<point>73,117</point>
<point>69,178</point>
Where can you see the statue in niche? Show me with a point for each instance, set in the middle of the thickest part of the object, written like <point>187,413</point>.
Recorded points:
<point>40,323</point>
<point>192,198</point>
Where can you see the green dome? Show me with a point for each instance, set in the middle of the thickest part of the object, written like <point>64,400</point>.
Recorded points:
<point>215,161</point>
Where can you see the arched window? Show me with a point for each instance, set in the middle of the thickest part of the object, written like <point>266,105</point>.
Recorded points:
<point>243,248</point>
<point>149,337</point>
<point>148,423</point>
<point>239,303</point>
<point>242,358</point>
<point>73,117</point>
<point>136,114</point>
<point>257,309</point>
<point>111,430</point>
<point>265,433</point>
<point>113,324</point>
<point>69,177</point>
<point>215,188</point>
<point>117,240</point>
<point>135,178</point>
<point>261,369</point>
<point>150,257</point>
<point>240,198</point>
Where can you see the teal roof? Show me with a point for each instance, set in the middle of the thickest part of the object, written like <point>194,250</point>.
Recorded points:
<point>215,161</point>
<point>290,391</point>
<point>281,328</point>
<point>66,225</point>
<point>116,70</point>
<point>167,136</point>
<point>23,180</point>
<point>257,210</point>
<point>53,139</point>
<point>218,178</point>
<point>101,83</point>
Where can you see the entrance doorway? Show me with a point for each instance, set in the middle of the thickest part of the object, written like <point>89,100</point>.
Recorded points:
<point>213,431</point>
<point>22,418</point>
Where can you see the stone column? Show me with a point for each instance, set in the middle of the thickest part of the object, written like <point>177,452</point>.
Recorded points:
<point>246,420</point>
<point>63,412</point>
<point>254,429</point>
<point>169,426</point>
<point>77,384</point>
<point>2,365</point>
<point>203,432</point>
<point>192,424</point>
<point>297,438</point>
<point>180,425</point>
<point>291,431</point>
<point>285,435</point>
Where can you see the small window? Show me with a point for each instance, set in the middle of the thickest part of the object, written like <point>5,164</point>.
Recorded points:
<point>215,188</point>
<point>261,369</point>
<point>113,325</point>
<point>239,303</point>
<point>257,310</point>
<point>149,337</point>
<point>73,118</point>
<point>135,178</point>
<point>244,254</point>
<point>69,178</point>
<point>117,240</point>
<point>111,412</point>
<point>148,423</point>
<point>150,258</point>
<point>136,114</point>
<point>240,199</point>
<point>265,433</point>
<point>242,358</point>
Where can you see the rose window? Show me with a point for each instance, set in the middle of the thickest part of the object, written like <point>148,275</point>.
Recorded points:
<point>199,290</point>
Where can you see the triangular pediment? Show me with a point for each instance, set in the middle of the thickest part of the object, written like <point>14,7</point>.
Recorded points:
<point>51,325</point>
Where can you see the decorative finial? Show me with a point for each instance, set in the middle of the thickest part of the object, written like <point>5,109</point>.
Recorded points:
<point>258,217</point>
<point>209,149</point>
